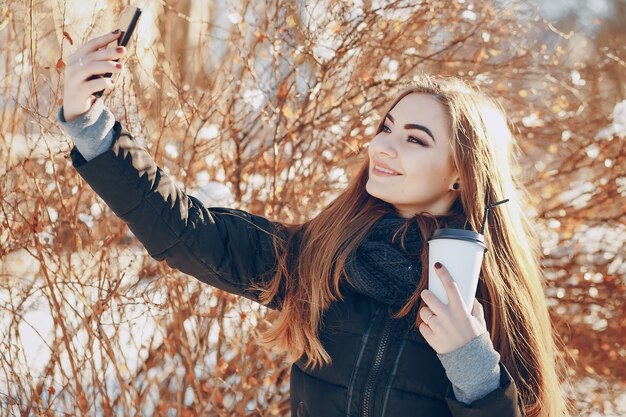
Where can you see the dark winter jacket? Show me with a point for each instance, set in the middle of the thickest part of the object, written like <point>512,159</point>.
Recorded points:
<point>380,366</point>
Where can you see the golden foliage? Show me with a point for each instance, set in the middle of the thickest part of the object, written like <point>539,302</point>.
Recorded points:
<point>279,109</point>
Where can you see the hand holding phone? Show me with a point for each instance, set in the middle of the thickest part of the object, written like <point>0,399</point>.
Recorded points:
<point>127,24</point>
<point>88,70</point>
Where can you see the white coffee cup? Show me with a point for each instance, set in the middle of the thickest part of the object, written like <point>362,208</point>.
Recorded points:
<point>461,252</point>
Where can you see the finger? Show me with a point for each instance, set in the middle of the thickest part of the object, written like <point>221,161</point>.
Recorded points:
<point>477,310</point>
<point>432,321</point>
<point>98,84</point>
<point>433,302</point>
<point>97,43</point>
<point>106,54</point>
<point>97,67</point>
<point>425,313</point>
<point>452,290</point>
<point>426,332</point>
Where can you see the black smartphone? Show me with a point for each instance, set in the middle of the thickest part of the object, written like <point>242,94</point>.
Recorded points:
<point>127,24</point>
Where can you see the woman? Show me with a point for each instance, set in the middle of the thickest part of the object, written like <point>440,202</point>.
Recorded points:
<point>347,288</point>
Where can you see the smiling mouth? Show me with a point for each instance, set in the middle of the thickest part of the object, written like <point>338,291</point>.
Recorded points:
<point>382,170</point>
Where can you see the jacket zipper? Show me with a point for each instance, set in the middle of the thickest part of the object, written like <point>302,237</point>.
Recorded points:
<point>369,386</point>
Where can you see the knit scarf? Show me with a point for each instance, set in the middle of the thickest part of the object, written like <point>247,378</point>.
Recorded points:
<point>381,269</point>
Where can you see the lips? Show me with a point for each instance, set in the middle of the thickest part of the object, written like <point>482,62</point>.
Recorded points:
<point>381,165</point>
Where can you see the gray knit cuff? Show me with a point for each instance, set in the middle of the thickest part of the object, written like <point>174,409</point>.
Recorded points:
<point>473,369</point>
<point>91,132</point>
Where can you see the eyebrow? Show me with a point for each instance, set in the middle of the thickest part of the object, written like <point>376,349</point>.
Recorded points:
<point>415,126</point>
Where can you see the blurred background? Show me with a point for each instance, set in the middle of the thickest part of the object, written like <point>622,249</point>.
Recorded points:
<point>268,106</point>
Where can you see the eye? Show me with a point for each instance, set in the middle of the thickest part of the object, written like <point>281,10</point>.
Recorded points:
<point>413,139</point>
<point>421,142</point>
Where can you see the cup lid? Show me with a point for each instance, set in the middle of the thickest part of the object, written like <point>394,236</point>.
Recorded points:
<point>460,234</point>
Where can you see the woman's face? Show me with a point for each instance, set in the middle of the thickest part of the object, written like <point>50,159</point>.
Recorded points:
<point>415,143</point>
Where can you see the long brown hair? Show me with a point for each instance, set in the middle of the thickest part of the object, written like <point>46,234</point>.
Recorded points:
<point>311,256</point>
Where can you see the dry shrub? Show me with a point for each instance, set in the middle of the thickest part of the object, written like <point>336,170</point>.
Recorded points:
<point>268,107</point>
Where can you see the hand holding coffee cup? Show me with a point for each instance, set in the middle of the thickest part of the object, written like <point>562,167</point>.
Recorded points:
<point>452,316</point>
<point>462,252</point>
<point>90,59</point>
<point>447,327</point>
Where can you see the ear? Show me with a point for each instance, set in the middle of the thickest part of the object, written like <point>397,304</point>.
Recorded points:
<point>457,180</point>
<point>455,176</point>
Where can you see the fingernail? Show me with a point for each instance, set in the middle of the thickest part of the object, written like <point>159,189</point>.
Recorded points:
<point>116,31</point>
<point>118,65</point>
<point>120,49</point>
<point>437,265</point>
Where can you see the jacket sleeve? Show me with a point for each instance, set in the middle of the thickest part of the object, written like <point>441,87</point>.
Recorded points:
<point>502,402</point>
<point>473,368</point>
<point>226,248</point>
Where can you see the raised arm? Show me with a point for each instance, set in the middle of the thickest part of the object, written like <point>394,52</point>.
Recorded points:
<point>226,248</point>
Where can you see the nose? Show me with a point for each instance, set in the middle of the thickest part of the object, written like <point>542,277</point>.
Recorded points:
<point>384,145</point>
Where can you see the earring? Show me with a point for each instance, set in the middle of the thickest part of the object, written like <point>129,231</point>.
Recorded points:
<point>455,186</point>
